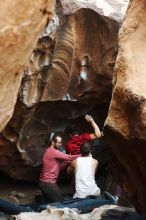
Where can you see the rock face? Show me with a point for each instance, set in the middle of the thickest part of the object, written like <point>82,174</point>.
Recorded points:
<point>92,67</point>
<point>80,72</point>
<point>125,128</point>
<point>68,76</point>
<point>20,24</point>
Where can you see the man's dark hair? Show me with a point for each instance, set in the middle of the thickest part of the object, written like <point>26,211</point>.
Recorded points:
<point>85,149</point>
<point>72,131</point>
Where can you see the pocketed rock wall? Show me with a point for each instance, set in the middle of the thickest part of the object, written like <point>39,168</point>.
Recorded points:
<point>125,127</point>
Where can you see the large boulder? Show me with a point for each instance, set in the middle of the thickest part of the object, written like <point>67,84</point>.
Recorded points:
<point>20,24</point>
<point>125,127</point>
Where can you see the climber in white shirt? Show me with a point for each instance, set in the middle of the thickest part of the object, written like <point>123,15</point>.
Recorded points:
<point>84,168</point>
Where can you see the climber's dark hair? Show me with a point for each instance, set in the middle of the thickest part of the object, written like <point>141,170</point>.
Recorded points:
<point>85,149</point>
<point>72,131</point>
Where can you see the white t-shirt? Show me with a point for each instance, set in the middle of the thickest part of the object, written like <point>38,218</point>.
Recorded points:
<point>85,178</point>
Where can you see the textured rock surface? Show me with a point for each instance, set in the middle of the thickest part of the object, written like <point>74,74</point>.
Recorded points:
<point>28,132</point>
<point>20,25</point>
<point>114,9</point>
<point>98,61</point>
<point>126,123</point>
<point>105,212</point>
<point>66,68</point>
<point>67,59</point>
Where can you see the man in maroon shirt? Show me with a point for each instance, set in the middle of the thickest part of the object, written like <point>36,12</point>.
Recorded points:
<point>51,166</point>
<point>76,141</point>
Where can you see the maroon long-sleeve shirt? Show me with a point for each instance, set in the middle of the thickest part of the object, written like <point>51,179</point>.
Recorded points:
<point>51,164</point>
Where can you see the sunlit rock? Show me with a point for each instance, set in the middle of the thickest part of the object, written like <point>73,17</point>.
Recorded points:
<point>20,24</point>
<point>125,127</point>
<point>109,212</point>
<point>110,8</point>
